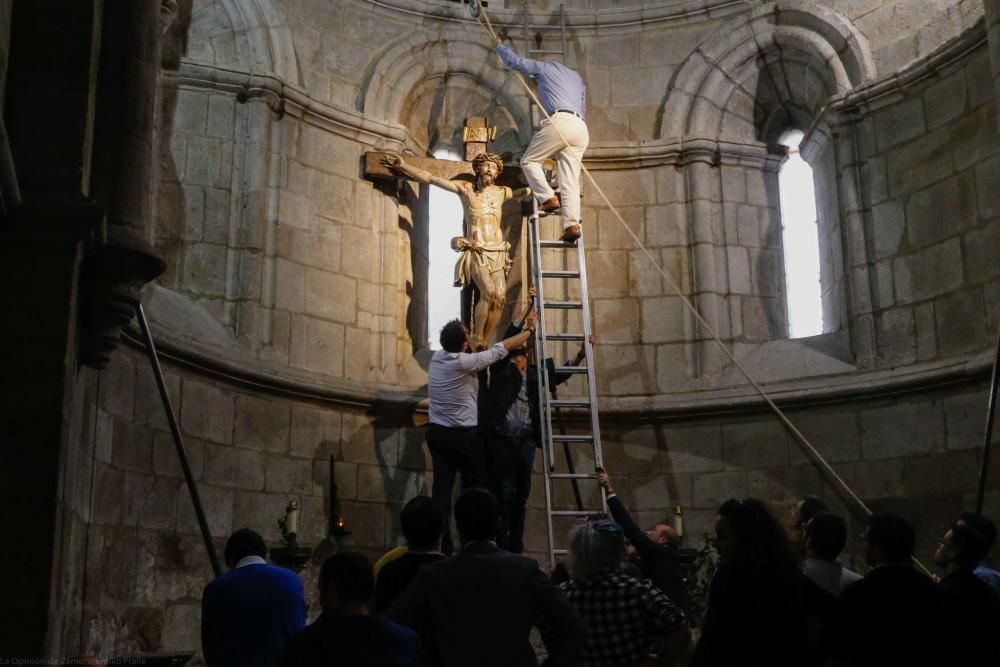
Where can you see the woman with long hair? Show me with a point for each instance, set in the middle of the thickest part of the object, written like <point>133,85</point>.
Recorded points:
<point>756,613</point>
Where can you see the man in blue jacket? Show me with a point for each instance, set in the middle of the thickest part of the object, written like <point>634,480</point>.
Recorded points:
<point>250,613</point>
<point>563,135</point>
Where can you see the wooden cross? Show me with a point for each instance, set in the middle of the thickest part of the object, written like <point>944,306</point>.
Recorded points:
<point>477,135</point>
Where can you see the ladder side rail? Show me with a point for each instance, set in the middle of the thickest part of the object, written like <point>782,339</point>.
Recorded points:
<point>562,26</point>
<point>541,376</point>
<point>588,348</point>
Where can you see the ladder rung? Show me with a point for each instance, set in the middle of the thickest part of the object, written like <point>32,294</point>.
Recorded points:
<point>560,552</point>
<point>572,475</point>
<point>556,244</point>
<point>572,438</point>
<point>564,336</point>
<point>569,403</point>
<point>563,305</point>
<point>576,512</point>
<point>560,274</point>
<point>571,370</point>
<point>554,52</point>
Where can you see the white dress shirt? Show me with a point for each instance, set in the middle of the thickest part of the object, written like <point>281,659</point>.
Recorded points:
<point>453,385</point>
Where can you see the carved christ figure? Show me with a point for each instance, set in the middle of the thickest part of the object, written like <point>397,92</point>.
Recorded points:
<point>485,254</point>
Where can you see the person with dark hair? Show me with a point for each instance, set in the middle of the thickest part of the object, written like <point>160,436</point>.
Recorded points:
<point>825,538</point>
<point>984,569</point>
<point>423,526</point>
<point>345,633</point>
<point>756,613</point>
<point>654,554</point>
<point>971,609</point>
<point>478,607</point>
<point>801,512</point>
<point>250,613</point>
<point>628,618</point>
<point>893,605</point>
<point>453,388</point>
<point>508,415</point>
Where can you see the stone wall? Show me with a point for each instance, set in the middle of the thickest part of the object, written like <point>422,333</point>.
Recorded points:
<point>910,452</point>
<point>138,561</point>
<point>929,167</point>
<point>290,311</point>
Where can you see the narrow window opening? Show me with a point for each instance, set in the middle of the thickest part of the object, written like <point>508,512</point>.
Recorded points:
<point>800,242</point>
<point>444,216</point>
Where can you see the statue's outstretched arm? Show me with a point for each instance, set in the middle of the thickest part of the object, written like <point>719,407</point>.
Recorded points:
<point>397,164</point>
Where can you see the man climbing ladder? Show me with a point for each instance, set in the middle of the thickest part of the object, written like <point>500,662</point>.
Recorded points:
<point>563,134</point>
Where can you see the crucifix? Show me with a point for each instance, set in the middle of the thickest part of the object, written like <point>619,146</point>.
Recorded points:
<point>484,254</point>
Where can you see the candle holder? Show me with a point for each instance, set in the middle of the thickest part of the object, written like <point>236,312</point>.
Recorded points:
<point>337,526</point>
<point>292,556</point>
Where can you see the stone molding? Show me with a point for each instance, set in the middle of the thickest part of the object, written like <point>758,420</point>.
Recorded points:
<point>615,156</point>
<point>245,371</point>
<point>284,98</point>
<point>680,12</point>
<point>885,91</point>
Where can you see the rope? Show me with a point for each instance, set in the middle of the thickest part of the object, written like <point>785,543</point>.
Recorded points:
<point>483,18</point>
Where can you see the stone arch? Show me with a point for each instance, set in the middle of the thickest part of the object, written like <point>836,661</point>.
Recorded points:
<point>776,40</point>
<point>243,34</point>
<point>405,68</point>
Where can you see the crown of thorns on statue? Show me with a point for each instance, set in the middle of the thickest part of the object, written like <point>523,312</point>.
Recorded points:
<point>483,158</point>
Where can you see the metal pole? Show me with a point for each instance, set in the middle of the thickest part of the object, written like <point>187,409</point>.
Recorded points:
<point>984,462</point>
<point>178,443</point>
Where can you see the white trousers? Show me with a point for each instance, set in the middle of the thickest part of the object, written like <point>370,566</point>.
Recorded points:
<point>547,143</point>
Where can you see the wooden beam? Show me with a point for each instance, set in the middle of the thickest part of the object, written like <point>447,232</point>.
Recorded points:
<point>449,169</point>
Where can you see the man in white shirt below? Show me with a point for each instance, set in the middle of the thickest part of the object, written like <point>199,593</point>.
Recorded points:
<point>825,537</point>
<point>453,388</point>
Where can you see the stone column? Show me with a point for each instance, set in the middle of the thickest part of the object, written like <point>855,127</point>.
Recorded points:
<point>124,172</point>
<point>993,29</point>
<point>711,276</point>
<point>72,279</point>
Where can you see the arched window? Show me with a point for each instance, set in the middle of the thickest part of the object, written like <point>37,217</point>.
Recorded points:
<point>800,242</point>
<point>444,215</point>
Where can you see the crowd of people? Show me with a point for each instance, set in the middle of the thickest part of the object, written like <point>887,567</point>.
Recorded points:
<point>779,596</point>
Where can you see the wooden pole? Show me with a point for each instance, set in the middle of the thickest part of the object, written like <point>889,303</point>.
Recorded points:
<point>175,430</point>
<point>984,461</point>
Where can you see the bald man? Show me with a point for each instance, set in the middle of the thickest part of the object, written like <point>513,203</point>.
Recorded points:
<point>655,550</point>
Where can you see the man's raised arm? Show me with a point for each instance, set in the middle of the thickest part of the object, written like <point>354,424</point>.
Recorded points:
<point>516,62</point>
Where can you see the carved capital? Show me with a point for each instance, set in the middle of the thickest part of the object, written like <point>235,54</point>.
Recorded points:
<point>111,281</point>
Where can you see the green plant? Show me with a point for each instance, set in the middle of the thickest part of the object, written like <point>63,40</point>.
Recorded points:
<point>283,528</point>
<point>703,568</point>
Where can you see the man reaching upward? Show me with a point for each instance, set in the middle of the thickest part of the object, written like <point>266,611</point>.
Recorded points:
<point>563,95</point>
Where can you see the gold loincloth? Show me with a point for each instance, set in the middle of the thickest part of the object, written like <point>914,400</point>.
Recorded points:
<point>494,256</point>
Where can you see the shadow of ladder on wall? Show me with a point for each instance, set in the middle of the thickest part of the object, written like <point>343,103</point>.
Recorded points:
<point>550,404</point>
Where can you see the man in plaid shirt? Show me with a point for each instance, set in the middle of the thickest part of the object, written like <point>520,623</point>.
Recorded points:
<point>628,619</point>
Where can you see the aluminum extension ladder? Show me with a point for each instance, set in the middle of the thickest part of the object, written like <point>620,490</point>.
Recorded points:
<point>534,115</point>
<point>585,445</point>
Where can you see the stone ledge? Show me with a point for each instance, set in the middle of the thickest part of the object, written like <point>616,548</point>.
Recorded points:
<point>283,98</point>
<point>639,16</point>
<point>227,362</point>
<point>890,89</point>
<point>805,392</point>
